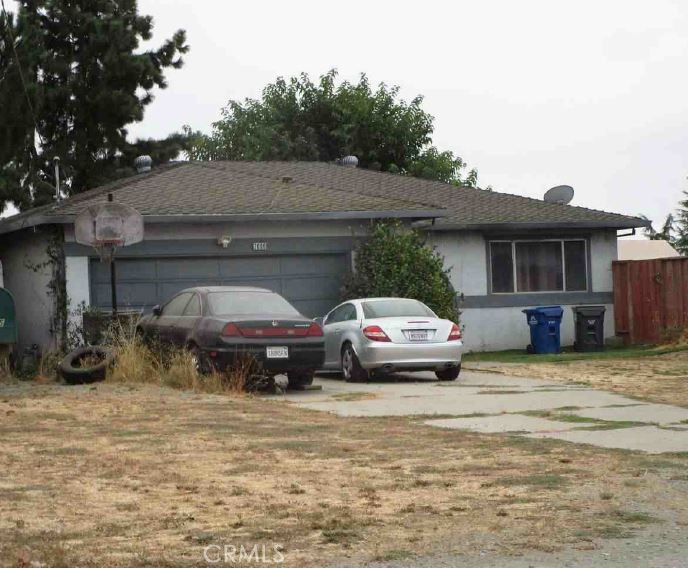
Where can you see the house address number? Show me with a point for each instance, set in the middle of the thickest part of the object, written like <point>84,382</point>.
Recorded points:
<point>260,246</point>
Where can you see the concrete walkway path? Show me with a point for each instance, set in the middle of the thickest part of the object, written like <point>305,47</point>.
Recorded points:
<point>492,403</point>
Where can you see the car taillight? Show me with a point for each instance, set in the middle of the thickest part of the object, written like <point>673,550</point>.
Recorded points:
<point>375,333</point>
<point>315,330</point>
<point>231,330</point>
<point>455,333</point>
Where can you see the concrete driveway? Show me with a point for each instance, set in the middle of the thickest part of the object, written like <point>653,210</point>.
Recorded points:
<point>492,403</point>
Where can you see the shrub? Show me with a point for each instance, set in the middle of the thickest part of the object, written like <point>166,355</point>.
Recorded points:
<point>396,262</point>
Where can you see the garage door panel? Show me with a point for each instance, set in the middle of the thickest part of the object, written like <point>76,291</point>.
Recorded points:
<point>311,282</point>
<point>316,288</point>
<point>187,269</point>
<point>129,294</point>
<point>297,265</point>
<point>249,267</point>
<point>314,308</point>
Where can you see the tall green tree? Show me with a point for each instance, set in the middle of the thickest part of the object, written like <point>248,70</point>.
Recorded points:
<point>298,119</point>
<point>681,241</point>
<point>666,233</point>
<point>72,78</point>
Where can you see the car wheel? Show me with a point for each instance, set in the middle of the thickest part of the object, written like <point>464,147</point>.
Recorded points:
<point>300,379</point>
<point>200,361</point>
<point>351,366</point>
<point>450,374</point>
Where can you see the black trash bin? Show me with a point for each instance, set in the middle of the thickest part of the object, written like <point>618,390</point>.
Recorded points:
<point>589,322</point>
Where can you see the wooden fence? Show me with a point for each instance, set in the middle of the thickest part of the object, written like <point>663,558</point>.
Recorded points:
<point>650,298</point>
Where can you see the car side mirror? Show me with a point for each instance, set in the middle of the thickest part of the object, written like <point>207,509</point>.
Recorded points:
<point>319,321</point>
<point>157,310</point>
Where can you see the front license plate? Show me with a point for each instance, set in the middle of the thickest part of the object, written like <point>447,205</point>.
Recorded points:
<point>417,335</point>
<point>278,353</point>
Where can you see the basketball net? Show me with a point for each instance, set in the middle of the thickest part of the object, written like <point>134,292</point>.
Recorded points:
<point>106,250</point>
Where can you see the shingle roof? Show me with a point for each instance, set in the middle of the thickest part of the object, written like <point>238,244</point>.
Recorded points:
<point>192,189</point>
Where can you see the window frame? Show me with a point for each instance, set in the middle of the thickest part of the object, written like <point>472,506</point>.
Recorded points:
<point>562,241</point>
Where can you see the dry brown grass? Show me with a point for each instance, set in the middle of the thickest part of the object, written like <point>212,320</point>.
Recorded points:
<point>132,474</point>
<point>661,378</point>
<point>136,362</point>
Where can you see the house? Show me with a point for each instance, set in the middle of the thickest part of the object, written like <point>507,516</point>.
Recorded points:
<point>293,227</point>
<point>637,249</point>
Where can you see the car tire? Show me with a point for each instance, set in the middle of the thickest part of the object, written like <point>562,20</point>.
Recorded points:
<point>200,361</point>
<point>300,379</point>
<point>75,374</point>
<point>450,374</point>
<point>351,366</point>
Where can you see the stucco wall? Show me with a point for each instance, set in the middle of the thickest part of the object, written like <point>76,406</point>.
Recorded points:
<point>494,329</point>
<point>490,327</point>
<point>26,275</point>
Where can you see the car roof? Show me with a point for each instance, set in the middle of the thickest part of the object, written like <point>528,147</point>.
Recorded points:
<point>210,289</point>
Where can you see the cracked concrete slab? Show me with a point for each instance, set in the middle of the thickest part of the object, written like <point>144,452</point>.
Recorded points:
<point>648,439</point>
<point>650,413</point>
<point>500,399</point>
<point>504,423</point>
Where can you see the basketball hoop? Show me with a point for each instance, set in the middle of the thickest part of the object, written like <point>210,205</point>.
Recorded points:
<point>106,227</point>
<point>106,250</point>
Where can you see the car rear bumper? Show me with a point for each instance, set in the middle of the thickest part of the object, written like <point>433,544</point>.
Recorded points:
<point>301,357</point>
<point>420,357</point>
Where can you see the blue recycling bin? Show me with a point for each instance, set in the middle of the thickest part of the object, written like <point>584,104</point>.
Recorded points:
<point>545,326</point>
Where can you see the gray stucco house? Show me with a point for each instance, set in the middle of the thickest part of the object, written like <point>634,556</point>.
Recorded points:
<point>293,228</point>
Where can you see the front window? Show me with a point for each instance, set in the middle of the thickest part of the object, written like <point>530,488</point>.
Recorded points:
<point>538,266</point>
<point>396,308</point>
<point>249,302</point>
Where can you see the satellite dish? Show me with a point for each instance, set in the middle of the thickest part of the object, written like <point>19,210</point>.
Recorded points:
<point>562,194</point>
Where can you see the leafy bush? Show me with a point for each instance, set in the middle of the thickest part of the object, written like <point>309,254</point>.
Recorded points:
<point>396,262</point>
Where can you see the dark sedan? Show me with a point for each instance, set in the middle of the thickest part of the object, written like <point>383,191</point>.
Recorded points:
<point>222,323</point>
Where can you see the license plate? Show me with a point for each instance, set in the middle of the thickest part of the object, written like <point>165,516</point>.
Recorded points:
<point>417,335</point>
<point>278,353</point>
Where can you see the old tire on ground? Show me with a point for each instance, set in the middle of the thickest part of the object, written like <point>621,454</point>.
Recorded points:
<point>300,379</point>
<point>450,374</point>
<point>351,366</point>
<point>75,371</point>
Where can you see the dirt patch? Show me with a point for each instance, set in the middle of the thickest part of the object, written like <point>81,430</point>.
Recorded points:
<point>123,475</point>
<point>663,378</point>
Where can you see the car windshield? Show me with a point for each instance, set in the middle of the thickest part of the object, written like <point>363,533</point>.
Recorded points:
<point>249,302</point>
<point>396,308</point>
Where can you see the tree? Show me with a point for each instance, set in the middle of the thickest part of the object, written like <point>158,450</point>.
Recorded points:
<point>681,241</point>
<point>298,119</point>
<point>666,233</point>
<point>72,78</point>
<point>396,262</point>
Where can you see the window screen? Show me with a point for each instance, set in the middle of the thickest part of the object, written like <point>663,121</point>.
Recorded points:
<point>502,267</point>
<point>539,266</point>
<point>576,265</point>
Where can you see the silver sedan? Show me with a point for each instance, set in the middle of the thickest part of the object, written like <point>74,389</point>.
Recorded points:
<point>385,335</point>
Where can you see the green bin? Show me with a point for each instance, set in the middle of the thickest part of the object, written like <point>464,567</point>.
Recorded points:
<point>8,318</point>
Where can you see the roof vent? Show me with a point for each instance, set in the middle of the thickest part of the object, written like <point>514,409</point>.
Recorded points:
<point>349,161</point>
<point>287,179</point>
<point>143,164</point>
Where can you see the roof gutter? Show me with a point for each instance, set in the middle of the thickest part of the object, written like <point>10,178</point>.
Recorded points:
<point>631,223</point>
<point>10,225</point>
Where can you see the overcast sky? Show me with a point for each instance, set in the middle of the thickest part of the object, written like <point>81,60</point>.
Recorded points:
<point>531,93</point>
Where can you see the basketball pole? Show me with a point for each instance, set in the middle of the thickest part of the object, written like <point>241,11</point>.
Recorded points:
<point>113,285</point>
<point>113,276</point>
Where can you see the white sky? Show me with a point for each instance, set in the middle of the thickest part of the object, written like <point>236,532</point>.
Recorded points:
<point>531,93</point>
